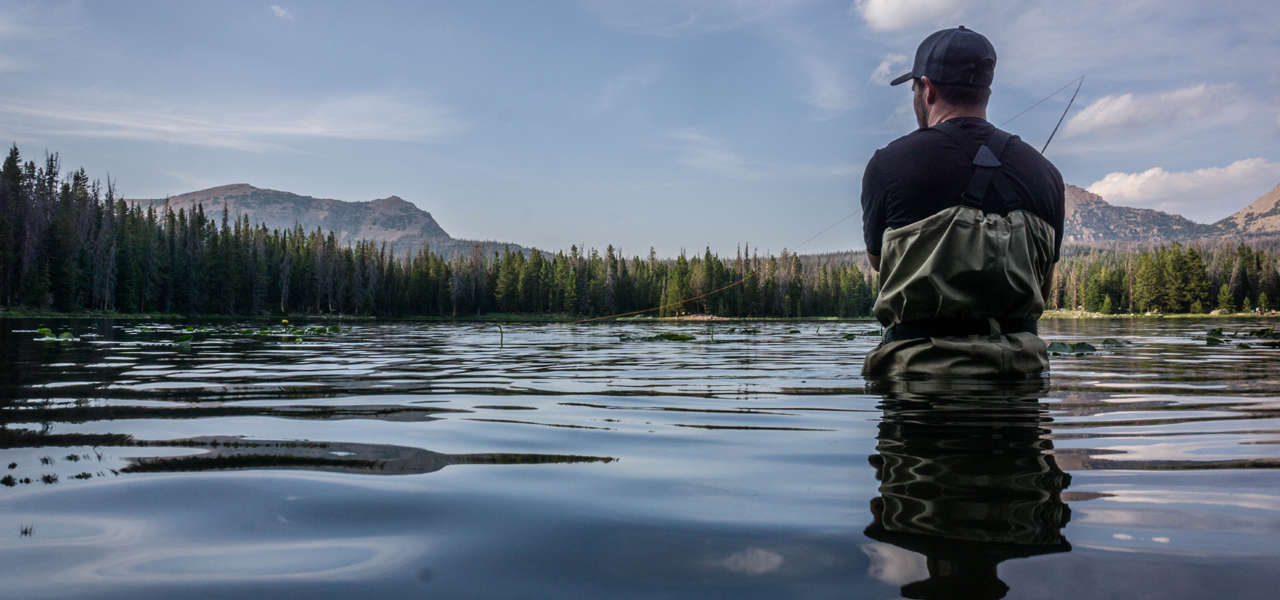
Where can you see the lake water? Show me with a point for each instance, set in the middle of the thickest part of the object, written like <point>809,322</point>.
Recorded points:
<point>438,460</point>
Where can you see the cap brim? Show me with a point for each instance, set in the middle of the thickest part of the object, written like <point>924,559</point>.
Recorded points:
<point>905,77</point>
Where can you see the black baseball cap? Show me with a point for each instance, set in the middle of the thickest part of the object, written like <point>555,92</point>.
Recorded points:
<point>954,57</point>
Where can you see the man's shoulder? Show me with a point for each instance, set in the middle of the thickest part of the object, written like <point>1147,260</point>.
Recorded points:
<point>909,153</point>
<point>912,143</point>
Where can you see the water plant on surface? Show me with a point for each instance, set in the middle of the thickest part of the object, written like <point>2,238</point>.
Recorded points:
<point>1268,337</point>
<point>1064,349</point>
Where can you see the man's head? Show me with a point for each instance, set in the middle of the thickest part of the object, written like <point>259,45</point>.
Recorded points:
<point>953,70</point>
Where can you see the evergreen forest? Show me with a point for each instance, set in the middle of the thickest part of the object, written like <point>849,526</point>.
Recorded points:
<point>69,244</point>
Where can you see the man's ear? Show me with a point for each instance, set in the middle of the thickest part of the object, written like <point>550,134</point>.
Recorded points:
<point>930,91</point>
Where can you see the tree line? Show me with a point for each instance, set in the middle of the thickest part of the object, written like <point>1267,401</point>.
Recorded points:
<point>1202,277</point>
<point>69,244</point>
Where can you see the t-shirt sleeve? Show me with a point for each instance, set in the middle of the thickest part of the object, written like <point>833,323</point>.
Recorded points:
<point>874,192</point>
<point>1059,213</point>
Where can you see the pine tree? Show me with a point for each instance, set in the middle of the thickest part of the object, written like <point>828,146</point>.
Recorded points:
<point>1226,303</point>
<point>1149,287</point>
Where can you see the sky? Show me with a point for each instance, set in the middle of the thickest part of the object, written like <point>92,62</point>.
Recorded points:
<point>636,123</point>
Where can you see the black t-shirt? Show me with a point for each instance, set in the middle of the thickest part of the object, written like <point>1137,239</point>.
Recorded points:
<point>925,172</point>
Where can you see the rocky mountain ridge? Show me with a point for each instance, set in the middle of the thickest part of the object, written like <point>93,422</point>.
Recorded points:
<point>399,223</point>
<point>1090,218</point>
<point>1260,218</point>
<point>405,227</point>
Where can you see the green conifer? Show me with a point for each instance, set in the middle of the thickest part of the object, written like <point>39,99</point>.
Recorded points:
<point>1226,303</point>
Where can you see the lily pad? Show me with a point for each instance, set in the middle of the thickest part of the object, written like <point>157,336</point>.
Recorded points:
<point>1115,343</point>
<point>1217,332</point>
<point>794,331</point>
<point>1213,341</point>
<point>45,332</point>
<point>66,335</point>
<point>673,337</point>
<point>1061,348</point>
<point>183,339</point>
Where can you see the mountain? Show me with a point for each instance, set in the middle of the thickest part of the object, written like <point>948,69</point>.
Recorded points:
<point>1260,218</point>
<point>393,220</point>
<point>1089,218</point>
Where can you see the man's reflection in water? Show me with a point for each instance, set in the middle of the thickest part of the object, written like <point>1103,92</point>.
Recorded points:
<point>966,481</point>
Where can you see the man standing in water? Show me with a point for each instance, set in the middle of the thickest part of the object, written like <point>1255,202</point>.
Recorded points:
<point>964,223</point>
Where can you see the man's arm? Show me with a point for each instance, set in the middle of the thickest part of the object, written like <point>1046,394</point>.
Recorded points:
<point>874,191</point>
<point>1045,287</point>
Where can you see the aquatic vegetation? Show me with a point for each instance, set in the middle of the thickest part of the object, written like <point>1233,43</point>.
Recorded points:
<point>1267,338</point>
<point>661,337</point>
<point>1115,343</point>
<point>8,481</point>
<point>46,335</point>
<point>183,339</point>
<point>1078,348</point>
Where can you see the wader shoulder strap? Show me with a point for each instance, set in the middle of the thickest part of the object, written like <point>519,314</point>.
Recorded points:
<point>986,163</point>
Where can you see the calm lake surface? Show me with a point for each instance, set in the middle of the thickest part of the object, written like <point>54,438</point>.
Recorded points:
<point>454,461</point>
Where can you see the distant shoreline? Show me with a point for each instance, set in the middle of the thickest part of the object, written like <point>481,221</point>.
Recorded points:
<point>567,319</point>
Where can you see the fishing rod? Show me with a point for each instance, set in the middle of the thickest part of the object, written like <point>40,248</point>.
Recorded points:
<point>1079,81</point>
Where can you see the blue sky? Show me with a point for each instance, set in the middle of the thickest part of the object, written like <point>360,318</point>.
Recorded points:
<point>637,123</point>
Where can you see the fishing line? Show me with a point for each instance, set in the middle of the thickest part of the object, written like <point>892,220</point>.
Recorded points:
<point>1042,100</point>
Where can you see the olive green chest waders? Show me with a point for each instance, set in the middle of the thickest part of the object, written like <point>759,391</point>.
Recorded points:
<point>960,290</point>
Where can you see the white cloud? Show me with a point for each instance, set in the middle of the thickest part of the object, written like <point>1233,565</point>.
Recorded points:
<point>886,71</point>
<point>752,561</point>
<point>672,17</point>
<point>1114,113</point>
<point>893,15</point>
<point>827,89</point>
<point>618,86</point>
<point>1203,194</point>
<point>364,117</point>
<point>702,152</point>
<point>894,565</point>
<point>282,12</point>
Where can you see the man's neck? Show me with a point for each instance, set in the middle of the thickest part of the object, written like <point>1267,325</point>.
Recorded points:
<point>946,113</point>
